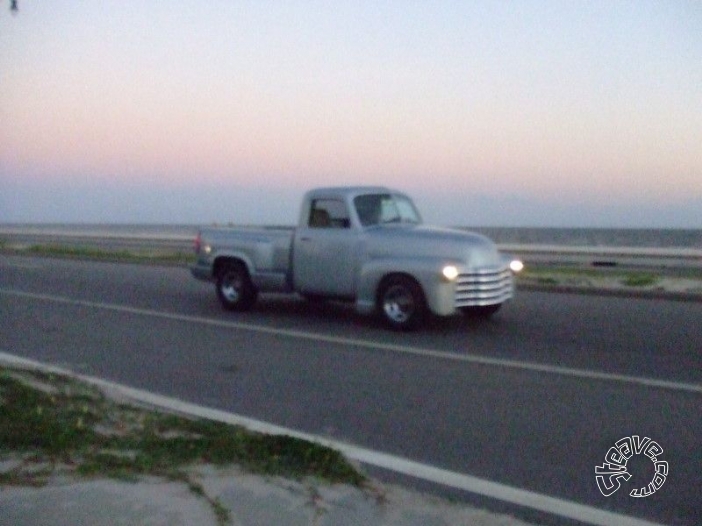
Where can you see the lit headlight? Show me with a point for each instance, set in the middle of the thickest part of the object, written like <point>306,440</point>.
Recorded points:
<point>516,266</point>
<point>450,272</point>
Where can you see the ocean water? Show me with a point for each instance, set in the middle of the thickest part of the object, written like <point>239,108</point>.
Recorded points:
<point>592,237</point>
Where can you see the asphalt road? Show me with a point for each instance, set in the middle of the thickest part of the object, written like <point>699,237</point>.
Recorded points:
<point>425,396</point>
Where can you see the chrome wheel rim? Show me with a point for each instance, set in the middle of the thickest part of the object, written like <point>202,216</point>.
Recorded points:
<point>231,287</point>
<point>398,304</point>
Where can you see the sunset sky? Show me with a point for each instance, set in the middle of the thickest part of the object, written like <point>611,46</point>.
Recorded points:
<point>489,113</point>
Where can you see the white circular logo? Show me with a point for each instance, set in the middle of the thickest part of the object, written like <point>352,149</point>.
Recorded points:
<point>614,469</point>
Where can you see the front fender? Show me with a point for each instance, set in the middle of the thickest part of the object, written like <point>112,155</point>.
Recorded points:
<point>438,292</point>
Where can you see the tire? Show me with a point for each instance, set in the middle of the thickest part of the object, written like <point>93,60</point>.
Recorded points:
<point>401,303</point>
<point>484,311</point>
<point>234,288</point>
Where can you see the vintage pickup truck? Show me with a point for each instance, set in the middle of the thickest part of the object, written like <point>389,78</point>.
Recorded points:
<point>361,244</point>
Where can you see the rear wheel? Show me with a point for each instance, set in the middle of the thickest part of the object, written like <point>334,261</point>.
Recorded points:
<point>234,288</point>
<point>401,303</point>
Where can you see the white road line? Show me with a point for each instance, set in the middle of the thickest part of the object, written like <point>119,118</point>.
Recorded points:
<point>366,344</point>
<point>501,492</point>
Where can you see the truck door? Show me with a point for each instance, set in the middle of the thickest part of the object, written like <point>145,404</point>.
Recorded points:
<point>325,254</point>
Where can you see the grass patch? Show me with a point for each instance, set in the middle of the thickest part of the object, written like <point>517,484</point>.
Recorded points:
<point>100,254</point>
<point>559,275</point>
<point>56,424</point>
<point>554,275</point>
<point>554,272</point>
<point>639,280</point>
<point>546,280</point>
<point>534,272</point>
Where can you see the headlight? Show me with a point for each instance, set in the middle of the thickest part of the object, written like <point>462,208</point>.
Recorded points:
<point>450,272</point>
<point>516,266</point>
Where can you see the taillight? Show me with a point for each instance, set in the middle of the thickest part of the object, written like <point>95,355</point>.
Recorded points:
<point>198,243</point>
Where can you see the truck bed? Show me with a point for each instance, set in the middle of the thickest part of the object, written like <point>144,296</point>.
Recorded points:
<point>266,251</point>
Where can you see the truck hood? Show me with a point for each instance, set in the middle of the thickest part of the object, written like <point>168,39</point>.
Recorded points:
<point>423,241</point>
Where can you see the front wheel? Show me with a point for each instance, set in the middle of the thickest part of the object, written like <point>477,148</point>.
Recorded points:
<point>401,303</point>
<point>234,288</point>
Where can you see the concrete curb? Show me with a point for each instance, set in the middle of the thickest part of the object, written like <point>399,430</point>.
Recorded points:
<point>511,495</point>
<point>248,499</point>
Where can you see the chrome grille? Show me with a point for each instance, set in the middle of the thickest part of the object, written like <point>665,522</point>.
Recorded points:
<point>484,287</point>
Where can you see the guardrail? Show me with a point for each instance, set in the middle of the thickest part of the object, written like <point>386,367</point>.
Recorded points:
<point>627,257</point>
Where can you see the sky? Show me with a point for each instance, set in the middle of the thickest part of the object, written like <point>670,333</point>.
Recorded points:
<point>488,113</point>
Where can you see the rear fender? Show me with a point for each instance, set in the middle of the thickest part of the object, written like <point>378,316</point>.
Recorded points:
<point>223,258</point>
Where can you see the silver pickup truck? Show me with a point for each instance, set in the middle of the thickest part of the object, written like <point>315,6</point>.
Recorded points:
<point>366,245</point>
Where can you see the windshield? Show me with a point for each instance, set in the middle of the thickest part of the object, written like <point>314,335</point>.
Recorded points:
<point>377,209</point>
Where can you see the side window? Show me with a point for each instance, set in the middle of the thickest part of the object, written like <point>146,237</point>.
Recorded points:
<point>369,209</point>
<point>328,213</point>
